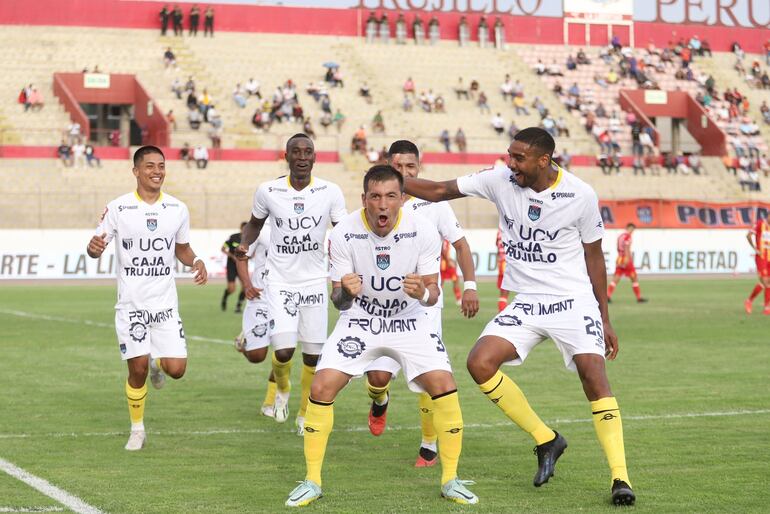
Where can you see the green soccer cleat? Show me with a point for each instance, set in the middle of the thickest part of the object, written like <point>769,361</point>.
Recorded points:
<point>305,493</point>
<point>456,491</point>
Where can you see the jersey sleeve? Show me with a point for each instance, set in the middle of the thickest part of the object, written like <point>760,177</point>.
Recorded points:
<point>252,249</point>
<point>482,184</point>
<point>183,232</point>
<point>259,209</point>
<point>590,224</point>
<point>429,259</point>
<point>108,224</point>
<point>340,258</point>
<point>338,210</point>
<point>448,226</point>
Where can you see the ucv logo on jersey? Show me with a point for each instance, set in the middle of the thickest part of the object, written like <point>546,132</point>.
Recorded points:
<point>152,223</point>
<point>534,212</point>
<point>383,261</point>
<point>299,207</point>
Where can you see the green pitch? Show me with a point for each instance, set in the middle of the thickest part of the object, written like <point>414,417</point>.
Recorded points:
<point>691,380</point>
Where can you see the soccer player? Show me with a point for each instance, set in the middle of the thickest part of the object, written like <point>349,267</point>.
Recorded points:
<point>228,248</point>
<point>502,300</point>
<point>552,232</point>
<point>759,239</point>
<point>624,265</point>
<point>153,230</point>
<point>405,158</point>
<point>384,263</point>
<point>300,208</point>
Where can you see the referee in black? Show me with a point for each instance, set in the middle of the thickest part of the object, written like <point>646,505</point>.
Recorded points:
<point>228,249</point>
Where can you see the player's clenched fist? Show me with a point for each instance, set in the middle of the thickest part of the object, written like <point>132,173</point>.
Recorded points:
<point>413,286</point>
<point>240,252</point>
<point>351,284</point>
<point>96,245</point>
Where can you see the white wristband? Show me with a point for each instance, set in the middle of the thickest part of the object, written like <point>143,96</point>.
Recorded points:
<point>425,297</point>
<point>469,284</point>
<point>196,259</point>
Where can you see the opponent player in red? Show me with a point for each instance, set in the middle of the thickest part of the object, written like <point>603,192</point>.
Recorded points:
<point>449,270</point>
<point>502,300</point>
<point>624,265</point>
<point>759,239</point>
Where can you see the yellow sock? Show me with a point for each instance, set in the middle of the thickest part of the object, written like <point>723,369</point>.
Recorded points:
<point>426,419</point>
<point>448,422</point>
<point>308,372</point>
<point>319,420</point>
<point>609,430</point>
<point>136,399</point>
<point>270,393</point>
<point>282,372</point>
<point>503,392</point>
<point>378,394</point>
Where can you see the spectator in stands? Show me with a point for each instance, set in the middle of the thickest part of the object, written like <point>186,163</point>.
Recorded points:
<point>615,160</point>
<point>171,119</point>
<point>519,106</point>
<point>499,34</point>
<point>463,32</point>
<point>408,87</point>
<point>338,120</point>
<point>365,93</point>
<point>562,130</point>
<point>646,141</point>
<point>589,121</point>
<point>164,16</point>
<point>326,104</point>
<point>615,42</point>
<point>215,136</point>
<point>512,130</point>
<point>439,104</point>
<point>79,154</point>
<point>64,152</point>
<point>205,103</point>
<point>582,58</point>
<point>358,143</point>
<point>558,89</point>
<point>695,163</point>
<point>483,32</point>
<point>506,88</point>
<point>482,103</point>
<point>418,30</point>
<point>461,141</point>
<point>764,165</point>
<point>565,159</point>
<point>201,156</point>
<point>605,54</point>
<point>195,18</point>
<point>748,127</point>
<point>554,69</point>
<point>638,165</point>
<point>401,29</point>
<point>695,45</point>
<point>35,100</point>
<point>189,86</point>
<point>185,154</point>
<point>603,161</point>
<point>765,110</point>
<point>239,96</point>
<point>406,104</point>
<point>208,22</point>
<point>378,123</point>
<point>681,165</point>
<point>213,116</point>
<point>601,81</point>
<point>337,77</point>
<point>669,162</point>
<point>176,18</point>
<point>737,50</point>
<point>425,104</point>
<point>194,118</point>
<point>24,98</point>
<point>434,33</point>
<point>372,27</point>
<point>498,124</point>
<point>549,125</point>
<point>445,140</point>
<point>91,156</point>
<point>767,52</point>
<point>540,68</point>
<point>372,155</point>
<point>474,88</point>
<point>636,144</point>
<point>307,128</point>
<point>571,63</point>
<point>574,90</point>
<point>176,88</point>
<point>384,28</point>
<point>461,90</point>
<point>73,132</point>
<point>252,88</point>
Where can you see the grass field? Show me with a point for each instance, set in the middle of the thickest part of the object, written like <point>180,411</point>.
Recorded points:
<point>691,379</point>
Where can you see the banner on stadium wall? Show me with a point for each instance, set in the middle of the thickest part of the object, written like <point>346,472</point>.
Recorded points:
<point>681,214</point>
<point>754,14</point>
<point>60,253</point>
<point>622,9</point>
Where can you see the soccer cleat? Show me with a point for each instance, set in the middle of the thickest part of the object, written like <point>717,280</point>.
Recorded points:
<point>547,455</point>
<point>136,440</point>
<point>157,377</point>
<point>378,415</point>
<point>456,491</point>
<point>766,310</point>
<point>299,422</point>
<point>268,410</point>
<point>224,305</point>
<point>306,492</point>
<point>426,458</point>
<point>281,407</point>
<point>747,305</point>
<point>238,309</point>
<point>240,342</point>
<point>642,300</point>
<point>622,493</point>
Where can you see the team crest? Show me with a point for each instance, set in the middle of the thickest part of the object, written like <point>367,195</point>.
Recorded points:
<point>383,260</point>
<point>644,213</point>
<point>137,331</point>
<point>290,307</point>
<point>127,243</point>
<point>299,207</point>
<point>123,348</point>
<point>152,223</point>
<point>278,222</point>
<point>506,320</point>
<point>351,347</point>
<point>259,330</point>
<point>534,212</point>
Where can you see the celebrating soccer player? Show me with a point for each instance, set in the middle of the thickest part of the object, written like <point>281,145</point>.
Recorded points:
<point>624,265</point>
<point>153,230</point>
<point>759,239</point>
<point>552,232</point>
<point>384,264</point>
<point>405,158</point>
<point>300,208</point>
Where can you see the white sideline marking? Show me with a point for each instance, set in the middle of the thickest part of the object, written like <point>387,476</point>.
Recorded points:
<point>72,502</point>
<point>220,431</point>
<point>46,317</point>
<point>31,509</point>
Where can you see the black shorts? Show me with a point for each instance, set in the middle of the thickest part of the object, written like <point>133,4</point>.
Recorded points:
<point>232,271</point>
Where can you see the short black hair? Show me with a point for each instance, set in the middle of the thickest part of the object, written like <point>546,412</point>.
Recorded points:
<point>298,135</point>
<point>630,225</point>
<point>148,149</point>
<point>383,173</point>
<point>537,138</point>
<point>404,147</point>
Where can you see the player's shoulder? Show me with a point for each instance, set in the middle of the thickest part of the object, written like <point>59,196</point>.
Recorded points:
<point>571,180</point>
<point>572,187</point>
<point>350,222</point>
<point>415,220</point>
<point>276,185</point>
<point>170,203</point>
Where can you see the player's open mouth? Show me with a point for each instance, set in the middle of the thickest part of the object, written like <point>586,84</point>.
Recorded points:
<point>382,220</point>
<point>303,165</point>
<point>157,180</point>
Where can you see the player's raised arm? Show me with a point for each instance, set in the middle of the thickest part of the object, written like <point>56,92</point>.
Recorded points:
<point>187,257</point>
<point>432,191</point>
<point>249,234</point>
<point>344,291</point>
<point>597,274</point>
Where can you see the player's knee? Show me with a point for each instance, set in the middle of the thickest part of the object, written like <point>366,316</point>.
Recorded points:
<point>310,360</point>
<point>284,355</point>
<point>481,367</point>
<point>231,287</point>
<point>176,370</point>
<point>322,392</point>
<point>256,356</point>
<point>378,378</point>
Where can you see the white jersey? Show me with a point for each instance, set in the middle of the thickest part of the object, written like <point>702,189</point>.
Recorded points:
<point>299,220</point>
<point>443,217</point>
<point>412,246</point>
<point>146,238</point>
<point>542,233</point>
<point>257,253</point>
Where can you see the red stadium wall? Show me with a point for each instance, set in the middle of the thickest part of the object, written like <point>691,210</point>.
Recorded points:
<point>350,22</point>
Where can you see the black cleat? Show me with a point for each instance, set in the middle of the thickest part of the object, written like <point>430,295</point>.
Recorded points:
<point>547,455</point>
<point>642,300</point>
<point>609,300</point>
<point>622,493</point>
<point>238,309</point>
<point>224,305</point>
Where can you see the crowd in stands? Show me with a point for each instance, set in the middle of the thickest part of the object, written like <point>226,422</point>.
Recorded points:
<point>175,16</point>
<point>76,153</point>
<point>31,98</point>
<point>378,29</point>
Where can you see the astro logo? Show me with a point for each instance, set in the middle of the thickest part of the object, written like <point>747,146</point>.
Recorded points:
<point>152,223</point>
<point>351,347</point>
<point>299,207</point>
<point>534,212</point>
<point>137,331</point>
<point>506,320</point>
<point>127,243</point>
<point>383,261</point>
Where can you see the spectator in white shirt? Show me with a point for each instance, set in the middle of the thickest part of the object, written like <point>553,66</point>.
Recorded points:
<point>498,124</point>
<point>201,156</point>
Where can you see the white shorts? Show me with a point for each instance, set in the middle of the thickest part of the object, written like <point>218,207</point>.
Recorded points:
<point>299,310</point>
<point>256,324</point>
<point>357,342</point>
<point>391,365</point>
<point>154,333</point>
<point>574,324</point>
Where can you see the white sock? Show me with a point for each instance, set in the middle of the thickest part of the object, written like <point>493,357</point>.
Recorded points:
<point>137,427</point>
<point>432,446</point>
<point>387,399</point>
